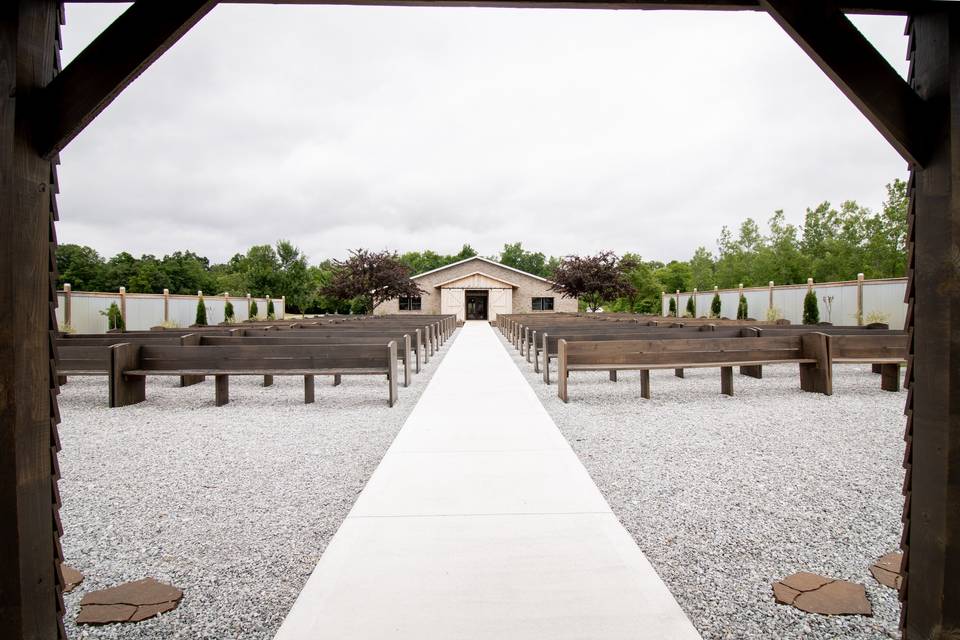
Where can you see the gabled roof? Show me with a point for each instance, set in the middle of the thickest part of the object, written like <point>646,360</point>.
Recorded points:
<point>488,261</point>
<point>477,273</point>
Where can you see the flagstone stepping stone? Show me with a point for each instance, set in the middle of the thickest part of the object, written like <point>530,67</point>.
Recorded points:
<point>887,569</point>
<point>71,577</point>
<point>827,596</point>
<point>129,602</point>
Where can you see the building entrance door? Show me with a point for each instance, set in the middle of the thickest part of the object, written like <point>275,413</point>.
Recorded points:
<point>476,302</point>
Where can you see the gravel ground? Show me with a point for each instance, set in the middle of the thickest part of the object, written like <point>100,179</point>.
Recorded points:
<point>232,504</point>
<point>726,495</point>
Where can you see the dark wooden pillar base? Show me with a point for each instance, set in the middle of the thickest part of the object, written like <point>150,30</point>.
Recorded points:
<point>268,381</point>
<point>308,390</point>
<point>726,381</point>
<point>752,371</point>
<point>645,384</point>
<point>222,393</point>
<point>678,373</point>
<point>890,377</point>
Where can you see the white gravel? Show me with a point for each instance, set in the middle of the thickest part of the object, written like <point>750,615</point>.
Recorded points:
<point>725,495</point>
<point>232,504</point>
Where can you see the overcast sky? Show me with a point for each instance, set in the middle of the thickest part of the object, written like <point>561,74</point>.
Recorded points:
<point>405,128</point>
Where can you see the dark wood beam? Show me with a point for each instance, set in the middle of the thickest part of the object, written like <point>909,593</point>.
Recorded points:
<point>30,601</point>
<point>888,7</point>
<point>857,68</point>
<point>111,62</point>
<point>931,541</point>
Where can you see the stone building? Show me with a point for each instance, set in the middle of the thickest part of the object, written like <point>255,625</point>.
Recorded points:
<point>479,289</point>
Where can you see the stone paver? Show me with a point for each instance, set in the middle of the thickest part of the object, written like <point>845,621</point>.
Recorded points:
<point>480,522</point>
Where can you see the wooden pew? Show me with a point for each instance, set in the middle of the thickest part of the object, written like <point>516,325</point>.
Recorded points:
<point>89,355</point>
<point>811,351</point>
<point>886,352</point>
<point>130,364</point>
<point>404,353</point>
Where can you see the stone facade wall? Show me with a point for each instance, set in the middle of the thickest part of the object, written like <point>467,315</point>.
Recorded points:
<point>529,287</point>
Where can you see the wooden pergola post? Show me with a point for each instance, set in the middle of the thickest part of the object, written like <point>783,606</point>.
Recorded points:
<point>931,537</point>
<point>31,601</point>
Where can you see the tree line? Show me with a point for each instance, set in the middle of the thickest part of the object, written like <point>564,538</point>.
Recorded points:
<point>834,243</point>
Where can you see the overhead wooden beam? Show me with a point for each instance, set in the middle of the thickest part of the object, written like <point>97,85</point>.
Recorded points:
<point>888,7</point>
<point>857,68</point>
<point>111,62</point>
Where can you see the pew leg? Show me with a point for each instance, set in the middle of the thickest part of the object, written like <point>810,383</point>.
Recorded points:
<point>678,373</point>
<point>815,379</point>
<point>536,360</point>
<point>877,368</point>
<point>127,390</point>
<point>61,380</point>
<point>222,390</point>
<point>752,371</point>
<point>546,369</point>
<point>336,379</point>
<point>726,381</point>
<point>613,375</point>
<point>308,390</point>
<point>268,381</point>
<point>645,384</point>
<point>406,370</point>
<point>189,381</point>
<point>890,377</point>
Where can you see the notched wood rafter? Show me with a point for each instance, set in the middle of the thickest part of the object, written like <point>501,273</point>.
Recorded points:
<point>111,62</point>
<point>865,77</point>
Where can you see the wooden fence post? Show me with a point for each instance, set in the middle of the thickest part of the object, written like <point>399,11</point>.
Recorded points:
<point>678,303</point>
<point>67,304</point>
<point>166,306</point>
<point>664,308</point>
<point>283,314</point>
<point>859,299</point>
<point>694,302</point>
<point>123,307</point>
<point>771,294</point>
<point>248,307</point>
<point>809,285</point>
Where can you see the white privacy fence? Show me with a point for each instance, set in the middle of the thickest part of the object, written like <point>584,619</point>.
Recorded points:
<point>841,303</point>
<point>85,311</point>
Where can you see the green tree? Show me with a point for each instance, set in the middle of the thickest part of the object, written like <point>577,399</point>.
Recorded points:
<point>691,308</point>
<point>514,255</point>
<point>201,320</point>
<point>81,267</point>
<point>114,317</point>
<point>715,306</point>
<point>271,314</point>
<point>254,310</point>
<point>743,312</point>
<point>703,273</point>
<point>228,313</point>
<point>811,310</point>
<point>673,307</point>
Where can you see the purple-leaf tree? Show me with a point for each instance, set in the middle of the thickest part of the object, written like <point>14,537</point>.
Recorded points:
<point>373,277</point>
<point>594,279</point>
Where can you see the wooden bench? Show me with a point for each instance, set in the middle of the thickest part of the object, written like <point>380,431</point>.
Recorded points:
<point>305,338</point>
<point>548,342</point>
<point>89,355</point>
<point>885,352</point>
<point>810,351</point>
<point>130,364</point>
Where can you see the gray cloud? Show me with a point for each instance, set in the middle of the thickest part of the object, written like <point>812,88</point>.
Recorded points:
<point>410,128</point>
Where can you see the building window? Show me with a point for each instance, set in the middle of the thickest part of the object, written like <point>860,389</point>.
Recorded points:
<point>411,303</point>
<point>543,304</point>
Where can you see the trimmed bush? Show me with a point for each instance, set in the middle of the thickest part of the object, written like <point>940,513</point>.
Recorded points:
<point>715,306</point>
<point>254,311</point>
<point>673,308</point>
<point>691,308</point>
<point>270,312</point>
<point>228,313</point>
<point>811,310</point>
<point>201,320</point>
<point>742,312</point>
<point>114,317</point>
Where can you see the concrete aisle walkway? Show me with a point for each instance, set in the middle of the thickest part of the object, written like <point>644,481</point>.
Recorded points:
<point>480,522</point>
